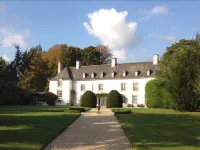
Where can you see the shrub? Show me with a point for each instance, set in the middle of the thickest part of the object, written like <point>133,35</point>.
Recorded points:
<point>77,108</point>
<point>72,111</point>
<point>121,111</point>
<point>130,105</point>
<point>114,99</point>
<point>50,98</point>
<point>88,99</point>
<point>140,105</point>
<point>157,95</point>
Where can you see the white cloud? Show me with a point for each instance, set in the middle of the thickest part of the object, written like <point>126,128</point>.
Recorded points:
<point>13,29</point>
<point>6,58</point>
<point>171,39</point>
<point>12,39</point>
<point>121,54</point>
<point>158,10</point>
<point>111,28</point>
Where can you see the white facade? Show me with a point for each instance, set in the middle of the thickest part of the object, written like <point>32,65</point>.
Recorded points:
<point>133,96</point>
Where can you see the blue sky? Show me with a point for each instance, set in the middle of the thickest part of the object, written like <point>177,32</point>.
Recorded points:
<point>134,30</point>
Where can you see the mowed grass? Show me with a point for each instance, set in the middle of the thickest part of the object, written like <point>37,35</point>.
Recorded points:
<point>31,130</point>
<point>161,129</point>
<point>38,108</point>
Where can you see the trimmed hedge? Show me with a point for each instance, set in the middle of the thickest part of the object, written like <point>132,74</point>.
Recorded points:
<point>121,111</point>
<point>157,96</point>
<point>76,108</point>
<point>89,99</point>
<point>114,99</point>
<point>72,111</point>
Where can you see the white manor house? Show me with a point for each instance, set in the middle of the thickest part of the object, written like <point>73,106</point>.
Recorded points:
<point>129,79</point>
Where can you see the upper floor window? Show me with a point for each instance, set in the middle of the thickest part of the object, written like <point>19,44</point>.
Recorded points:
<point>123,86</point>
<point>82,87</point>
<point>124,73</point>
<point>135,86</point>
<point>100,87</point>
<point>112,74</point>
<point>92,75</point>
<point>84,74</point>
<point>148,72</point>
<point>134,99</point>
<point>101,74</point>
<point>60,83</point>
<point>59,93</point>
<point>136,73</point>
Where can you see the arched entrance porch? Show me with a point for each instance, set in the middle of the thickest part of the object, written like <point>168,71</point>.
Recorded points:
<point>101,98</point>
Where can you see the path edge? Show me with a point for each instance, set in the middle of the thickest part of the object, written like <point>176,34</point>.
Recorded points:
<point>124,132</point>
<point>59,133</point>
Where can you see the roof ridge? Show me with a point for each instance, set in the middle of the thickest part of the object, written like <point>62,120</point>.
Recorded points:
<point>117,64</point>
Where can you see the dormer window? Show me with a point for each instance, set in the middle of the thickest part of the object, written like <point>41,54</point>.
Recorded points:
<point>101,74</point>
<point>92,75</point>
<point>148,72</point>
<point>84,75</point>
<point>136,73</point>
<point>124,73</point>
<point>113,74</point>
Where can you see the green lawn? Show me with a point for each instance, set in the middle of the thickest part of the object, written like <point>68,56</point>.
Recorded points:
<point>161,129</point>
<point>31,130</point>
<point>37,108</point>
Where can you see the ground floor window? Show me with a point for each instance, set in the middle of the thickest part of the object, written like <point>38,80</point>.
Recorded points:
<point>125,99</point>
<point>59,94</point>
<point>134,99</point>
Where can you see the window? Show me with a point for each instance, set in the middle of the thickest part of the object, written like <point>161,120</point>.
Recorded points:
<point>84,75</point>
<point>136,73</point>
<point>113,74</point>
<point>100,87</point>
<point>59,94</point>
<point>125,99</point>
<point>123,87</point>
<point>60,83</point>
<point>101,74</point>
<point>148,72</point>
<point>82,87</point>
<point>134,99</point>
<point>135,86</point>
<point>124,73</point>
<point>92,75</point>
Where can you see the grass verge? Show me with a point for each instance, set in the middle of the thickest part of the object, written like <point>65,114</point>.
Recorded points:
<point>161,129</point>
<point>22,130</point>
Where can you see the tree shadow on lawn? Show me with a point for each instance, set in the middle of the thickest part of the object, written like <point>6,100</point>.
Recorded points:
<point>162,131</point>
<point>31,131</point>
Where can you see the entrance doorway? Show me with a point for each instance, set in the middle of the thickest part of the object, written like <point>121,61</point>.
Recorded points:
<point>103,101</point>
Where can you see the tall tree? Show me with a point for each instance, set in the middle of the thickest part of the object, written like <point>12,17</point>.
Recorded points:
<point>178,70</point>
<point>106,54</point>
<point>3,64</point>
<point>90,56</point>
<point>69,55</point>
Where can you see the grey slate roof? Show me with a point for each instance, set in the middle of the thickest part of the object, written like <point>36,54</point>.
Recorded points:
<point>130,68</point>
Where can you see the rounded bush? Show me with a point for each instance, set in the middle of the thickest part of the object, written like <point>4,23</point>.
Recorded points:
<point>114,99</point>
<point>88,99</point>
<point>50,98</point>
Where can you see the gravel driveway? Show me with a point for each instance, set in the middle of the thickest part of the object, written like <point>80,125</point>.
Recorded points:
<point>92,131</point>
